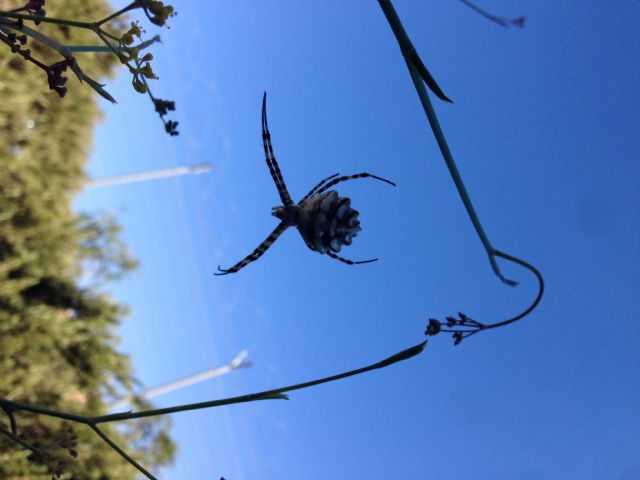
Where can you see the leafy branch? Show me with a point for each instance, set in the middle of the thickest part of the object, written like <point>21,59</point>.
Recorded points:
<point>15,35</point>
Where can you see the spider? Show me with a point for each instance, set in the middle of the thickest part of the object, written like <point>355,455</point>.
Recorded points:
<point>325,220</point>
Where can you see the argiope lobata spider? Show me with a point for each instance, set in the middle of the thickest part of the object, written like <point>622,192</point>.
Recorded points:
<point>325,220</point>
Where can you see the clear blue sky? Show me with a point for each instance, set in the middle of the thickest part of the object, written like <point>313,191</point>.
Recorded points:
<point>546,134</point>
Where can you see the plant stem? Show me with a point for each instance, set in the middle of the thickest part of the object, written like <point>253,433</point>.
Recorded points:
<point>534,304</point>
<point>105,49</point>
<point>121,57</point>
<point>92,49</point>
<point>278,393</point>
<point>265,395</point>
<point>505,22</point>
<point>453,169</point>
<point>122,453</point>
<point>107,34</point>
<point>56,21</point>
<point>15,405</point>
<point>61,49</point>
<point>18,440</point>
<point>406,46</point>
<point>131,6</point>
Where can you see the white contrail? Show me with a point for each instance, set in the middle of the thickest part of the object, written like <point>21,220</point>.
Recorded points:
<point>237,362</point>
<point>149,175</point>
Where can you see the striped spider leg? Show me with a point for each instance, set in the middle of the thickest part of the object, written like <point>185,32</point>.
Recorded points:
<point>274,169</point>
<point>325,220</point>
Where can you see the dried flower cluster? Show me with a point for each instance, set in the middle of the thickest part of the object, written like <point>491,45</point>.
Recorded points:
<point>461,327</point>
<point>50,454</point>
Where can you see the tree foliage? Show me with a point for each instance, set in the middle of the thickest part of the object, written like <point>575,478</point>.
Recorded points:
<point>58,347</point>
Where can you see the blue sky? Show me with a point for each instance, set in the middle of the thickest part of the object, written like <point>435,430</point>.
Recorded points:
<point>546,135</point>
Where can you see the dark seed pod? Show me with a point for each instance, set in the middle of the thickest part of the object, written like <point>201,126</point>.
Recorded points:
<point>327,222</point>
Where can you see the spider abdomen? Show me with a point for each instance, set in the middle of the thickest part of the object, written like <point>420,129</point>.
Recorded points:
<point>327,222</point>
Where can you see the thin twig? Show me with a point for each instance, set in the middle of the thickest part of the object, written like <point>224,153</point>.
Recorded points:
<point>122,453</point>
<point>277,393</point>
<point>131,6</point>
<point>534,304</point>
<point>56,21</point>
<point>464,326</point>
<point>505,22</point>
<point>104,49</point>
<point>19,441</point>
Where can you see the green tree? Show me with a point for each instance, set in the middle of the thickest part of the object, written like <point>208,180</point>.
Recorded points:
<point>58,347</point>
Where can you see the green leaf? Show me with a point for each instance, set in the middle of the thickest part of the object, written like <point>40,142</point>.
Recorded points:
<point>98,88</point>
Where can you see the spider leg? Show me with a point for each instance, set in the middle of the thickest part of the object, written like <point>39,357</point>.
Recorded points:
<point>315,189</point>
<point>349,262</point>
<point>257,253</point>
<point>352,177</point>
<point>274,169</point>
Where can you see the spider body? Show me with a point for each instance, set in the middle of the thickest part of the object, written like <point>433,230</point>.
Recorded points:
<point>289,214</point>
<point>325,220</point>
